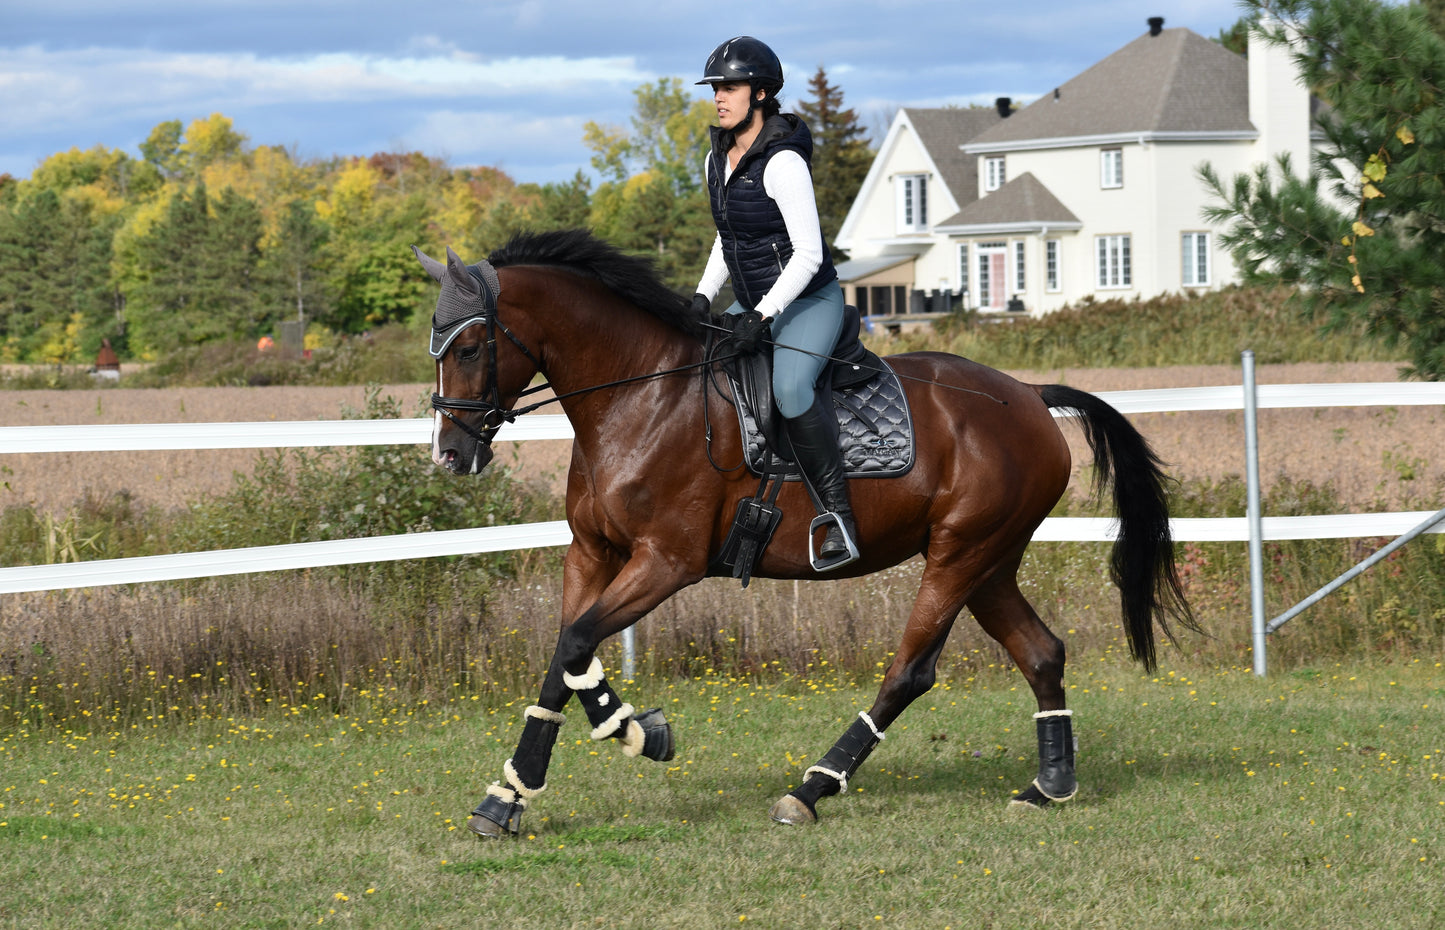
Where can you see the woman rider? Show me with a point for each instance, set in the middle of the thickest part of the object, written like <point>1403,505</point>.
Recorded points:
<point>770,244</point>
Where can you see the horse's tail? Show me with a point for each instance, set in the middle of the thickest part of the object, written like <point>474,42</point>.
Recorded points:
<point>1142,565</point>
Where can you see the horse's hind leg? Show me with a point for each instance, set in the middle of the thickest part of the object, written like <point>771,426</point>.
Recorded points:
<point>1006,615</point>
<point>940,597</point>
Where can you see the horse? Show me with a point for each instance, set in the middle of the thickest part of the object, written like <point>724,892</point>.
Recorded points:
<point>651,493</point>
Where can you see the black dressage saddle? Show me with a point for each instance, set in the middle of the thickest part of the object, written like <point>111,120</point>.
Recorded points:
<point>875,433</point>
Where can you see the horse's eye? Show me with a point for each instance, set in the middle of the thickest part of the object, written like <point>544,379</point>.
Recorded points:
<point>468,353</point>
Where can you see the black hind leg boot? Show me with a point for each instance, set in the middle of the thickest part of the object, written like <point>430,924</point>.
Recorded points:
<point>831,773</point>
<point>1056,781</point>
<point>814,438</point>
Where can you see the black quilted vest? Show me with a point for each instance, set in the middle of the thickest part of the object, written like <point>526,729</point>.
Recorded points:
<point>754,238</point>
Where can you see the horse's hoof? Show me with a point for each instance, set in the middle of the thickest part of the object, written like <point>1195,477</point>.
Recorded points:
<point>656,735</point>
<point>486,829</point>
<point>792,812</point>
<point>495,818</point>
<point>1034,799</point>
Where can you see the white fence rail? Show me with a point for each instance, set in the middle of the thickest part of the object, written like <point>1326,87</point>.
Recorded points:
<point>132,437</point>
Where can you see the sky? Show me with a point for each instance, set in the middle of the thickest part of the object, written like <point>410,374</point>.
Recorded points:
<point>508,84</point>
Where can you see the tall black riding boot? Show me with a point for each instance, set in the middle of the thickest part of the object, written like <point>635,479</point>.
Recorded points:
<point>814,439</point>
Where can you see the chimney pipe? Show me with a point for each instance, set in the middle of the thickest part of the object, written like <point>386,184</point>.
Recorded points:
<point>1156,25</point>
<point>1004,105</point>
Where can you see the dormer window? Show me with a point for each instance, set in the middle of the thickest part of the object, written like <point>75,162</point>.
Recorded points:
<point>1111,168</point>
<point>993,173</point>
<point>912,203</point>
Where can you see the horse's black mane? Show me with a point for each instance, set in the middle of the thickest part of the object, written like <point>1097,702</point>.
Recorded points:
<point>629,276</point>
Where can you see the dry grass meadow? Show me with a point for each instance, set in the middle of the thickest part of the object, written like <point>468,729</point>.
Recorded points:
<point>1362,451</point>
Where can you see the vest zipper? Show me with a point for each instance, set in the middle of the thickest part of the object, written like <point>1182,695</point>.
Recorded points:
<point>778,254</point>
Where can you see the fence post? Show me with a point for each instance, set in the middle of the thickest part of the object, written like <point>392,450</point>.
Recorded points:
<point>1255,519</point>
<point>629,652</point>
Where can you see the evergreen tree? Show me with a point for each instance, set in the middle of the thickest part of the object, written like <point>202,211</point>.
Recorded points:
<point>1435,15</point>
<point>198,278</point>
<point>293,267</point>
<point>564,206</point>
<point>54,276</point>
<point>841,155</point>
<point>1362,233</point>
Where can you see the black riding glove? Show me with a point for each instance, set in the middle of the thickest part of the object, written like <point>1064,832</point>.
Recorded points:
<point>750,331</point>
<point>701,306</point>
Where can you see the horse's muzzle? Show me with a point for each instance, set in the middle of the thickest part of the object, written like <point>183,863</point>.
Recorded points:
<point>465,458</point>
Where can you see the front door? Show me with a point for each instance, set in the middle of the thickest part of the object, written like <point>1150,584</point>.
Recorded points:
<point>992,277</point>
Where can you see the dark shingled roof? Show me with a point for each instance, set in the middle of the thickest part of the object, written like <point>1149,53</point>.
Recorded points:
<point>1177,81</point>
<point>1022,200</point>
<point>942,131</point>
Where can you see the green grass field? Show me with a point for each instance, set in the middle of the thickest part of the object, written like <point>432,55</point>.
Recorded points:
<point>1209,799</point>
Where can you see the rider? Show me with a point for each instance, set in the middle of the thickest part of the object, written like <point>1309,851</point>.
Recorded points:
<point>770,244</point>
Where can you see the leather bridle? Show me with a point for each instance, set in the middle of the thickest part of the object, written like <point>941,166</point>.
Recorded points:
<point>493,413</point>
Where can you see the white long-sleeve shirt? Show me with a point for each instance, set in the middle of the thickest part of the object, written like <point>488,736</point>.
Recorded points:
<point>788,181</point>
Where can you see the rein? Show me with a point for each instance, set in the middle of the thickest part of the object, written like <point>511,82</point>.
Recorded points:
<point>495,414</point>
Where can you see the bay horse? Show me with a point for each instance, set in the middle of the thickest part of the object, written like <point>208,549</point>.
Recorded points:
<point>649,508</point>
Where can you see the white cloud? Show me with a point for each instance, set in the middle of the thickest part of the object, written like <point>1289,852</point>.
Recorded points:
<point>40,88</point>
<point>481,137</point>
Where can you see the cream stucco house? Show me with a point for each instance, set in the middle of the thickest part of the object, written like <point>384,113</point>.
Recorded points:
<point>1090,190</point>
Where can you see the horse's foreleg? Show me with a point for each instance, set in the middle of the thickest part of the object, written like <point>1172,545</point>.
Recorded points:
<point>574,668</point>
<point>1006,615</point>
<point>911,674</point>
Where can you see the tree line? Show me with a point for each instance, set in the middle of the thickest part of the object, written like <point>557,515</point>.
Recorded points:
<point>204,237</point>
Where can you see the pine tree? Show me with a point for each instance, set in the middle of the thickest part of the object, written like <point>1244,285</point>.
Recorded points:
<point>199,279</point>
<point>55,254</point>
<point>841,155</point>
<point>293,267</point>
<point>1361,234</point>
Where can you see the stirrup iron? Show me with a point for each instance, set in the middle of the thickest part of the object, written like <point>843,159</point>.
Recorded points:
<point>825,519</point>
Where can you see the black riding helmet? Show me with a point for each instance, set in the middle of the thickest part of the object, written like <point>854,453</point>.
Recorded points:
<point>744,59</point>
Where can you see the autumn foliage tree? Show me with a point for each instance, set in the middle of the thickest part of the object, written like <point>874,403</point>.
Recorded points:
<point>202,236</point>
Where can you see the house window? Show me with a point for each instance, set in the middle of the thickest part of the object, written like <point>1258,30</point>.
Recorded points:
<point>1019,284</point>
<point>1111,168</point>
<point>912,203</point>
<point>1051,266</point>
<point>963,269</point>
<point>1113,261</point>
<point>993,173</point>
<point>1195,259</point>
<point>881,301</point>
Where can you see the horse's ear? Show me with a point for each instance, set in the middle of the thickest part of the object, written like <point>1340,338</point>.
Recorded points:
<point>460,276</point>
<point>433,267</point>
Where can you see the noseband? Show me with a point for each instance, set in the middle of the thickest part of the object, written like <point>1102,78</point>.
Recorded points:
<point>493,413</point>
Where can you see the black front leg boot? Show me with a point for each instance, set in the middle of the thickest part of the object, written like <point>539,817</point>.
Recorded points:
<point>1055,781</point>
<point>500,813</point>
<point>814,439</point>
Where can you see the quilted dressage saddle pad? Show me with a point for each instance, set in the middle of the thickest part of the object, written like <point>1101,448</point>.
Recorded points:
<point>875,429</point>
